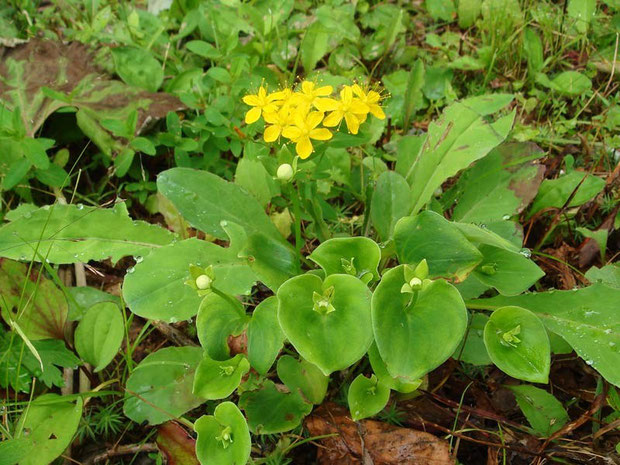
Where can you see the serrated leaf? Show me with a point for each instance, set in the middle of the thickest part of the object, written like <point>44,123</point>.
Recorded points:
<point>74,233</point>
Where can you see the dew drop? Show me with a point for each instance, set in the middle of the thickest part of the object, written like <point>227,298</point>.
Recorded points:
<point>526,253</point>
<point>130,270</point>
<point>138,259</point>
<point>506,217</point>
<point>80,206</point>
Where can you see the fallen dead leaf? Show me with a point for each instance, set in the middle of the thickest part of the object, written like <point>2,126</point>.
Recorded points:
<point>372,442</point>
<point>178,447</point>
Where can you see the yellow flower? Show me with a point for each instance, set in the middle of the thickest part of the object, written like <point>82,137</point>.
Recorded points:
<point>303,129</point>
<point>371,99</point>
<point>309,94</point>
<point>277,121</point>
<point>261,102</point>
<point>352,109</point>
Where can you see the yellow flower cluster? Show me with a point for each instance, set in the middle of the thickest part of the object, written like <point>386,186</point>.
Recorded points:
<point>296,115</point>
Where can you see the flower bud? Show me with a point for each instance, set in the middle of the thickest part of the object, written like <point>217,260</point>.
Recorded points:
<point>285,172</point>
<point>415,284</point>
<point>203,282</point>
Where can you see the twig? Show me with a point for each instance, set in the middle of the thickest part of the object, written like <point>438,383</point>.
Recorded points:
<point>122,450</point>
<point>173,335</point>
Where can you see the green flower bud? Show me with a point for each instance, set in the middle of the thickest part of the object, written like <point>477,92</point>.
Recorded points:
<point>285,172</point>
<point>203,282</point>
<point>415,284</point>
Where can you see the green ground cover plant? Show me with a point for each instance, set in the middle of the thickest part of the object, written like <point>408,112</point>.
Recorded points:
<point>309,232</point>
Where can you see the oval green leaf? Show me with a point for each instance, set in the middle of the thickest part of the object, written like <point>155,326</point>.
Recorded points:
<point>265,337</point>
<point>160,387</point>
<point>367,397</point>
<point>223,438</point>
<point>379,368</point>
<point>218,379</point>
<point>416,335</point>
<point>271,411</point>
<point>356,256</point>
<point>218,318</point>
<point>303,376</point>
<point>99,334</point>
<point>334,336</point>
<point>517,342</point>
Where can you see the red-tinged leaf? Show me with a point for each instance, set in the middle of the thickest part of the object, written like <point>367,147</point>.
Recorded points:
<point>33,302</point>
<point>178,446</point>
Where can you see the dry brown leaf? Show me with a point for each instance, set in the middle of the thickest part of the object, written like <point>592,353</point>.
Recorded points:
<point>372,442</point>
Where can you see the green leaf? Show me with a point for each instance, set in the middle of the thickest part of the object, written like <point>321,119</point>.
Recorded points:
<point>472,349</point>
<point>18,365</point>
<point>460,137</point>
<point>609,275</point>
<point>304,377</point>
<point>356,256</point>
<point>51,423</point>
<point>534,51</point>
<point>273,261</point>
<point>498,186</point>
<point>586,318</point>
<point>14,450</point>
<point>270,411</point>
<point>554,193</point>
<point>511,273</point>
<point>265,337</point>
<point>441,9</point>
<point>223,438</point>
<point>156,287</point>
<point>218,379</point>
<point>208,203</point>
<point>581,13</point>
<point>32,301</point>
<point>332,336</point>
<point>416,333</point>
<point>570,83</point>
<point>138,68</point>
<point>252,176</point>
<point>517,342</point>
<point>390,202</point>
<point>468,11</point>
<point>203,49</point>
<point>218,318</point>
<point>380,370</point>
<point>160,387</point>
<point>99,334</point>
<point>75,233</point>
<point>314,45</point>
<point>544,412</point>
<point>430,236</point>
<point>81,298</point>
<point>367,397</point>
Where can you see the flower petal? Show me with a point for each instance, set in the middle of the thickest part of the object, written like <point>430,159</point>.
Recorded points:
<point>346,94</point>
<point>281,95</point>
<point>357,90</point>
<point>333,119</point>
<point>323,91</point>
<point>271,133</point>
<point>270,117</point>
<point>299,117</point>
<point>377,111</point>
<point>251,100</point>
<point>303,147</point>
<point>357,106</point>
<point>373,97</point>
<point>252,115</point>
<point>353,124</point>
<point>291,132</point>
<point>307,87</point>
<point>320,134</point>
<point>262,92</point>
<point>313,119</point>
<point>326,104</point>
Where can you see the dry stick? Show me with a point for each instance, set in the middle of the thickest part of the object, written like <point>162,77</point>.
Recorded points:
<point>80,280</point>
<point>613,65</point>
<point>173,334</point>
<point>122,450</point>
